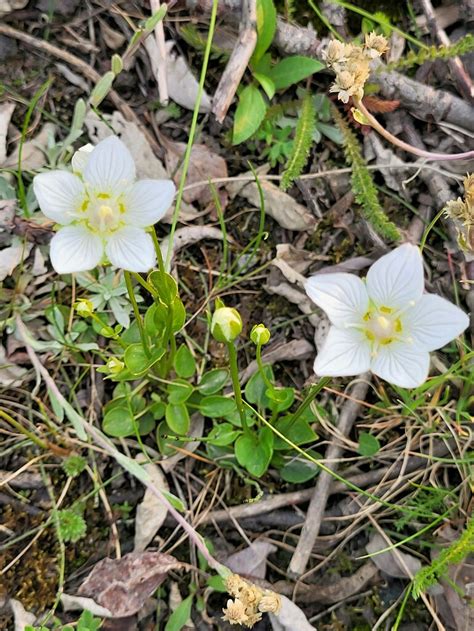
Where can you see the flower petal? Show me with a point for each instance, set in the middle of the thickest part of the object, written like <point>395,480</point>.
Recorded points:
<point>75,249</point>
<point>434,321</point>
<point>58,193</point>
<point>396,279</point>
<point>131,249</point>
<point>401,364</point>
<point>148,201</point>
<point>110,166</point>
<point>345,352</point>
<point>342,296</point>
<point>81,157</point>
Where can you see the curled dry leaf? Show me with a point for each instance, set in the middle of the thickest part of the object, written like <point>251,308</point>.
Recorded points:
<point>204,164</point>
<point>21,617</point>
<point>386,158</point>
<point>189,235</point>
<point>251,561</point>
<point>298,259</point>
<point>10,374</point>
<point>389,562</point>
<point>290,618</point>
<point>33,156</point>
<point>6,111</point>
<point>12,256</point>
<point>278,205</point>
<point>182,85</point>
<point>151,512</point>
<point>79,603</point>
<point>123,585</point>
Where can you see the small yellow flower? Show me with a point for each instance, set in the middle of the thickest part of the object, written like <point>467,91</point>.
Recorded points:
<point>115,365</point>
<point>84,307</point>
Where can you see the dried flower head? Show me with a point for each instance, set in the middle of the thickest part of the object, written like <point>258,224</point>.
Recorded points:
<point>375,45</point>
<point>351,63</point>
<point>461,211</point>
<point>469,190</point>
<point>271,602</point>
<point>235,612</point>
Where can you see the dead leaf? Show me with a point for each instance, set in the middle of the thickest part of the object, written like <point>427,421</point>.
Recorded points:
<point>189,235</point>
<point>204,164</point>
<point>79,603</point>
<point>385,157</point>
<point>278,205</point>
<point>276,285</point>
<point>298,259</point>
<point>39,265</point>
<point>123,585</point>
<point>21,617</point>
<point>10,374</point>
<point>113,38</point>
<point>12,256</point>
<point>251,561</point>
<point>12,5</point>
<point>6,111</point>
<point>33,156</point>
<point>295,350</point>
<point>175,599</point>
<point>388,562</point>
<point>182,85</point>
<point>290,618</point>
<point>151,512</point>
<point>196,429</point>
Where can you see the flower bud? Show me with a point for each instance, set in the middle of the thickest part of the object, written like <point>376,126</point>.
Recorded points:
<point>260,335</point>
<point>226,324</point>
<point>115,365</point>
<point>84,307</point>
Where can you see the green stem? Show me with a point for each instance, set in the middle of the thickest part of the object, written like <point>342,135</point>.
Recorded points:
<point>234,373</point>
<point>18,426</point>
<point>151,290</point>
<point>313,392</point>
<point>261,368</point>
<point>159,255</point>
<point>138,317</point>
<point>192,132</point>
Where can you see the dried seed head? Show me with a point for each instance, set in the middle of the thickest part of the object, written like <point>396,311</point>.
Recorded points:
<point>456,209</point>
<point>271,602</point>
<point>469,191</point>
<point>252,618</point>
<point>375,45</point>
<point>235,612</point>
<point>335,52</point>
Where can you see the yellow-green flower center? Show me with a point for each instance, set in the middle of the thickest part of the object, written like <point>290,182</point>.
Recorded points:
<point>101,212</point>
<point>382,325</point>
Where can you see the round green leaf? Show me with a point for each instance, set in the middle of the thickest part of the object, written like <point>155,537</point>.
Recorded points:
<point>119,422</point>
<point>177,418</point>
<point>368,444</point>
<point>213,381</point>
<point>184,362</point>
<point>179,391</point>
<point>249,114</point>
<point>291,70</point>
<point>216,406</point>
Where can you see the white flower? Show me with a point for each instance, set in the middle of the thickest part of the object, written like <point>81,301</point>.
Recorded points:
<point>102,211</point>
<point>385,324</point>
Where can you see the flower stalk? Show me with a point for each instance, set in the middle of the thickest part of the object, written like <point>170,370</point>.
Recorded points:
<point>138,317</point>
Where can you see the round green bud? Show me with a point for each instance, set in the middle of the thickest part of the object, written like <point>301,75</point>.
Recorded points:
<point>260,335</point>
<point>226,324</point>
<point>115,365</point>
<point>84,307</point>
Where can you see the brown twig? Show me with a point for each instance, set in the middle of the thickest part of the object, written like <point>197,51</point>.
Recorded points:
<point>238,61</point>
<point>463,79</point>
<point>321,490</point>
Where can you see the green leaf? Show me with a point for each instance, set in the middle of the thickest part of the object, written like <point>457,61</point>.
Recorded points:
<point>184,362</point>
<point>291,70</point>
<point>281,398</point>
<point>180,615</point>
<point>102,88</point>
<point>256,388</point>
<point>177,418</point>
<point>137,361</point>
<point>368,444</point>
<point>254,452</point>
<point>213,381</point>
<point>249,114</point>
<point>216,406</point>
<point>223,434</point>
<point>298,470</point>
<point>179,391</point>
<point>266,27</point>
<point>299,432</point>
<point>217,584</point>
<point>119,422</point>
<point>165,286</point>
<point>266,83</point>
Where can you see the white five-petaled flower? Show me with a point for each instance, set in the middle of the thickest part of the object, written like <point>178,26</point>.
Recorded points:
<point>101,210</point>
<point>385,324</point>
